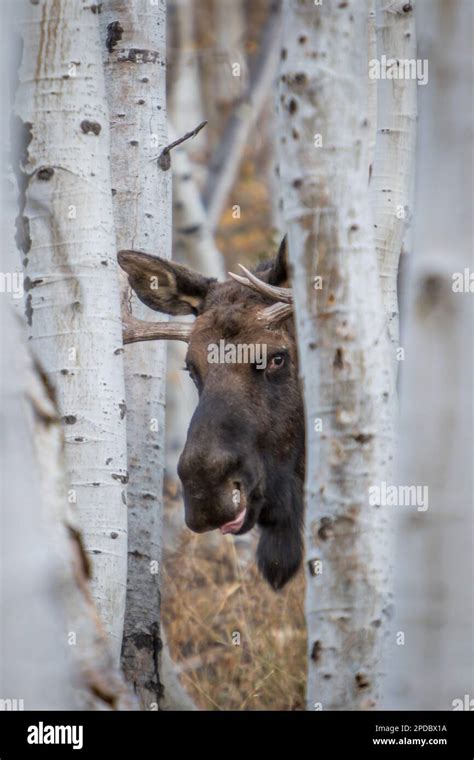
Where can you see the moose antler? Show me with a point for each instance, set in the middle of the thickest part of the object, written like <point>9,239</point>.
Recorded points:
<point>253,282</point>
<point>277,312</point>
<point>136,330</point>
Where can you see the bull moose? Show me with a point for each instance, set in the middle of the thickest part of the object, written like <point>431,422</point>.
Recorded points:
<point>243,461</point>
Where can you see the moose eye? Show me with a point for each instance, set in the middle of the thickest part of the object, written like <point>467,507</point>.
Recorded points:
<point>276,362</point>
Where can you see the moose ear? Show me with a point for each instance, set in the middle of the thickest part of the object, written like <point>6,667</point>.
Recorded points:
<point>278,274</point>
<point>164,285</point>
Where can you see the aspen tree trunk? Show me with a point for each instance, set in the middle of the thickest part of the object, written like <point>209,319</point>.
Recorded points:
<point>34,665</point>
<point>186,102</point>
<point>10,53</point>
<point>432,662</point>
<point>55,652</point>
<point>134,47</point>
<point>34,670</point>
<point>66,234</point>
<point>392,173</point>
<point>373,87</point>
<point>343,347</point>
<point>392,116</point>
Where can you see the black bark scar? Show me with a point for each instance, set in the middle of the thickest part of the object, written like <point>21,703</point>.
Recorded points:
<point>114,34</point>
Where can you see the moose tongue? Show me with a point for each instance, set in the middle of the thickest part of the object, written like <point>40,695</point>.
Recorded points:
<point>235,525</point>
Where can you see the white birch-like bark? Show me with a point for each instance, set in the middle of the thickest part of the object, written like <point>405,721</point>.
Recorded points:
<point>433,652</point>
<point>66,235</point>
<point>343,348</point>
<point>392,116</point>
<point>34,669</point>
<point>95,680</point>
<point>373,88</point>
<point>34,665</point>
<point>392,171</point>
<point>134,47</point>
<point>54,651</point>
<point>186,100</point>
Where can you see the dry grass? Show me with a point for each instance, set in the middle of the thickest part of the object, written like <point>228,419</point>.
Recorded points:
<point>213,595</point>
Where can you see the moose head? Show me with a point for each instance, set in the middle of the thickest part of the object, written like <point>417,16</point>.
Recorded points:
<point>243,462</point>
